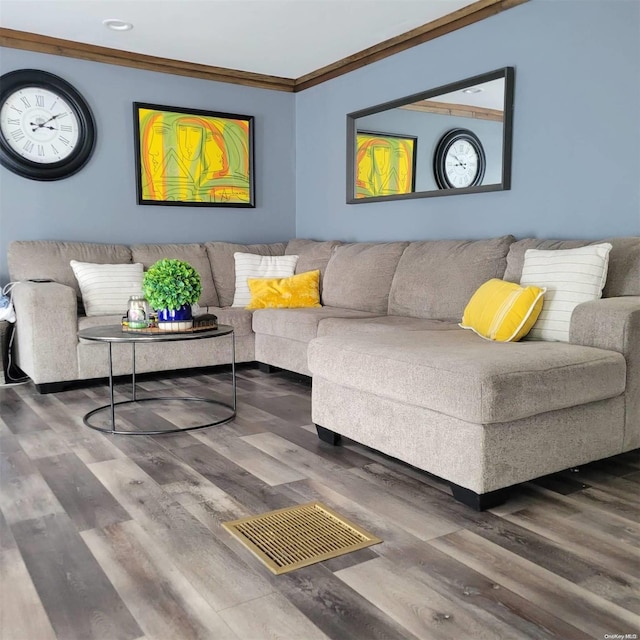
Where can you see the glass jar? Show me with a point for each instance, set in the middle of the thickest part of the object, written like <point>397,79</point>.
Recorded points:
<point>138,313</point>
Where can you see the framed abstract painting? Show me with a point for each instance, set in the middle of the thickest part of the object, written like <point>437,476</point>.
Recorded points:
<point>191,157</point>
<point>385,164</point>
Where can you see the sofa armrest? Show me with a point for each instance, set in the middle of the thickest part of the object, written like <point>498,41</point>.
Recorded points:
<point>46,331</point>
<point>614,324</point>
<point>608,323</point>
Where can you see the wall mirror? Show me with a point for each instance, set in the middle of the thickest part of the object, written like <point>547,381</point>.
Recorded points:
<point>453,139</point>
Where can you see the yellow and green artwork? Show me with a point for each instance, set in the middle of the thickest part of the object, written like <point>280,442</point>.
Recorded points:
<point>193,157</point>
<point>385,164</point>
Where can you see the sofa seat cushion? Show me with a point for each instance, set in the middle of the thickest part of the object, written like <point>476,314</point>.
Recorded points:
<point>459,374</point>
<point>298,324</point>
<point>383,324</point>
<point>238,318</point>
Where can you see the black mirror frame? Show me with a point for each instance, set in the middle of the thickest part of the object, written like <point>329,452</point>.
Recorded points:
<point>508,73</point>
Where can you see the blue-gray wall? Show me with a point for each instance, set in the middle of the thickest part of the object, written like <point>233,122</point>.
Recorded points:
<point>576,165</point>
<point>576,146</point>
<point>98,204</point>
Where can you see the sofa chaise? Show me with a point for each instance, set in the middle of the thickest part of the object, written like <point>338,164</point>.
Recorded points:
<point>391,368</point>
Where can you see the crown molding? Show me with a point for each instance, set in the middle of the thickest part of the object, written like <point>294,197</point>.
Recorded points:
<point>461,110</point>
<point>71,49</point>
<point>57,46</point>
<point>451,22</point>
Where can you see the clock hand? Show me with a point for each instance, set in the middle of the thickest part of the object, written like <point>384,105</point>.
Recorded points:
<point>58,115</point>
<point>35,126</point>
<point>43,125</point>
<point>460,163</point>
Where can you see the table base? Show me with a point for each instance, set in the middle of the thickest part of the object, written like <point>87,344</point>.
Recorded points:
<point>111,334</point>
<point>111,408</point>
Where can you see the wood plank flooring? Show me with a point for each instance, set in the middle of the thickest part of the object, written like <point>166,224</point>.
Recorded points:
<point>120,538</point>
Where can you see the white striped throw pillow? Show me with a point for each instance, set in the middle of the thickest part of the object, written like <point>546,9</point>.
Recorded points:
<point>571,276</point>
<point>106,288</point>
<point>252,265</point>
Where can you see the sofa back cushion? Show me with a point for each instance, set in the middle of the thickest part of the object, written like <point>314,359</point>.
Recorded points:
<point>194,254</point>
<point>223,265</point>
<point>52,259</point>
<point>359,275</point>
<point>623,277</point>
<point>435,279</point>
<point>312,254</point>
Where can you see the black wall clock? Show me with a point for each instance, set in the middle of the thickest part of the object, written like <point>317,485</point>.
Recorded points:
<point>47,130</point>
<point>459,160</point>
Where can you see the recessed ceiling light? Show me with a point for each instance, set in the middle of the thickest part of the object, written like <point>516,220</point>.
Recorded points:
<point>473,90</point>
<point>117,25</point>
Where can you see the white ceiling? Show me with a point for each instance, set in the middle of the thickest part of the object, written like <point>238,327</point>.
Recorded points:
<point>287,38</point>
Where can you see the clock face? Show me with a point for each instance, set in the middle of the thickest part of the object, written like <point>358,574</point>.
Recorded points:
<point>459,160</point>
<point>461,164</point>
<point>47,131</point>
<point>39,125</point>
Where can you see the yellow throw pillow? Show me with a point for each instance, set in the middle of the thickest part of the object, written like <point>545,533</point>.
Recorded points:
<point>503,311</point>
<point>302,290</point>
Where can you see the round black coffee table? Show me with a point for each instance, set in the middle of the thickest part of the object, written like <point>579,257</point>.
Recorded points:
<point>111,334</point>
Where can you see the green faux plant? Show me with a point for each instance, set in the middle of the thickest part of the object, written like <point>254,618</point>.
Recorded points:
<point>169,284</point>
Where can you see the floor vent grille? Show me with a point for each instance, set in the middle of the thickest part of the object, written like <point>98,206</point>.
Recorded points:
<point>287,539</point>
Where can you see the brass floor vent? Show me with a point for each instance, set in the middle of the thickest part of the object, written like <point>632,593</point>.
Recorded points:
<point>287,539</point>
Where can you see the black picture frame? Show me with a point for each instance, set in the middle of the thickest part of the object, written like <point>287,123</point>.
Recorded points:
<point>508,73</point>
<point>193,157</point>
<point>390,138</point>
<point>21,78</point>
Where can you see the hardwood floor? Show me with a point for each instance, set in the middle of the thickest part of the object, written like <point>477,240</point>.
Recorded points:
<point>115,537</point>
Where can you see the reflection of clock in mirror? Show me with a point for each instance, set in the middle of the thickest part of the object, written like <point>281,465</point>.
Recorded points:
<point>459,160</point>
<point>47,131</point>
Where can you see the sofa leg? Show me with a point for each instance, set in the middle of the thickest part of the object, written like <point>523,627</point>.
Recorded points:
<point>479,501</point>
<point>50,387</point>
<point>265,368</point>
<point>326,435</point>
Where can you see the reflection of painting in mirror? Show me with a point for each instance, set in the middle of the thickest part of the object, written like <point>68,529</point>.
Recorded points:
<point>482,104</point>
<point>385,164</point>
<point>191,157</point>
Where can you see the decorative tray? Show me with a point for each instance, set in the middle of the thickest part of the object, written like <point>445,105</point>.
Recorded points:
<point>199,324</point>
<point>157,330</point>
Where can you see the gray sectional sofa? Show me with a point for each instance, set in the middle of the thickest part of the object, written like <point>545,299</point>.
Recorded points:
<point>391,368</point>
